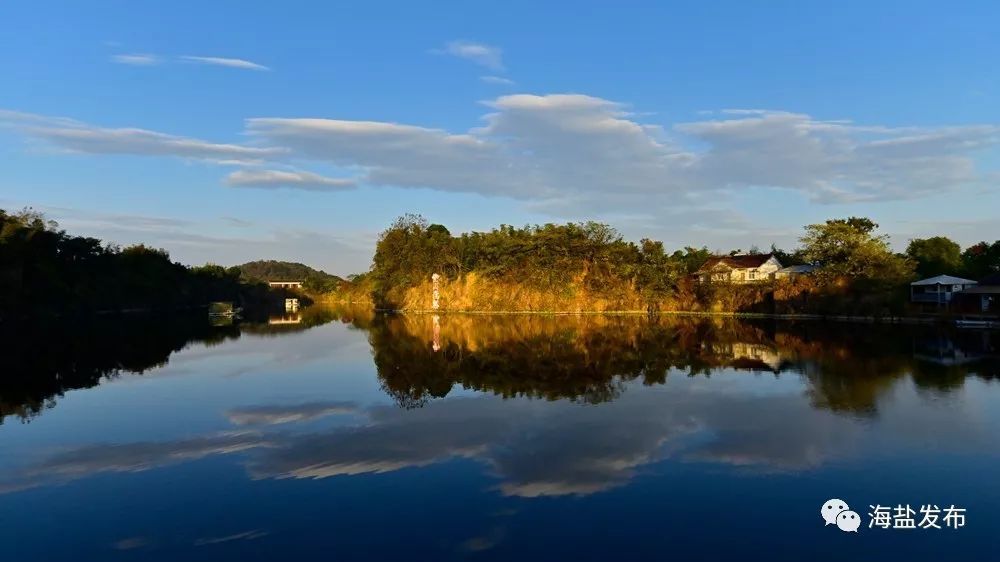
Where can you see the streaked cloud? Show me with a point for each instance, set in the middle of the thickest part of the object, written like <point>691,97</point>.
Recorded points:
<point>223,61</point>
<point>149,59</point>
<point>500,80</point>
<point>137,59</point>
<point>80,137</point>
<point>484,55</point>
<point>295,179</point>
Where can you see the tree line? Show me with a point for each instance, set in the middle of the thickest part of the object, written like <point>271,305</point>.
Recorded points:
<point>313,280</point>
<point>855,264</point>
<point>45,271</point>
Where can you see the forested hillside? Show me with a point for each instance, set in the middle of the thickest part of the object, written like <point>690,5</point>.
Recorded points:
<point>45,271</point>
<point>314,280</point>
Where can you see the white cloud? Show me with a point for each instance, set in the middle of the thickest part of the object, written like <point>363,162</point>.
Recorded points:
<point>484,55</point>
<point>137,59</point>
<point>573,155</point>
<point>499,80</point>
<point>271,179</point>
<point>81,137</point>
<point>574,147</point>
<point>222,61</point>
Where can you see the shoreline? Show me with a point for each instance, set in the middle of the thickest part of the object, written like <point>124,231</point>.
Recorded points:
<point>835,318</point>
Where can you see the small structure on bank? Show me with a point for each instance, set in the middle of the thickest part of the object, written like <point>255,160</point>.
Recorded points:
<point>938,290</point>
<point>745,268</point>
<point>285,284</point>
<point>983,298</point>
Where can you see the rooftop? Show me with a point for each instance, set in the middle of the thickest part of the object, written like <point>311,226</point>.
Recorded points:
<point>744,261</point>
<point>944,280</point>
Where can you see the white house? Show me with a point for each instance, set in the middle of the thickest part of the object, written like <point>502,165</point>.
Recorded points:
<point>285,284</point>
<point>746,268</point>
<point>938,289</point>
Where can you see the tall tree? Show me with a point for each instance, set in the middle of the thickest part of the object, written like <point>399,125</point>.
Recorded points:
<point>937,255</point>
<point>982,259</point>
<point>848,250</point>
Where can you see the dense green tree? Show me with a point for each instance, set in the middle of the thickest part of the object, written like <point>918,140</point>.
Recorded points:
<point>314,280</point>
<point>44,271</point>
<point>848,250</point>
<point>981,259</point>
<point>937,255</point>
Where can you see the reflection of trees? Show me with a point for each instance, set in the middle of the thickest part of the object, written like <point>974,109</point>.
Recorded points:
<point>44,361</point>
<point>47,360</point>
<point>847,367</point>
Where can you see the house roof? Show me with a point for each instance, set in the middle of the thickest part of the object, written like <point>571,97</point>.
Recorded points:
<point>745,261</point>
<point>804,268</point>
<point>943,280</point>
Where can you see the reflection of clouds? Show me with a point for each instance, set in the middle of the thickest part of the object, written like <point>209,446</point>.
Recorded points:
<point>244,536</point>
<point>131,543</point>
<point>393,440</point>
<point>278,414</point>
<point>774,433</point>
<point>535,448</point>
<point>129,457</point>
<point>544,449</point>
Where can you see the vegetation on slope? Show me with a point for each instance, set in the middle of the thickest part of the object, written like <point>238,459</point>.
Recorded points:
<point>314,280</point>
<point>589,266</point>
<point>45,271</point>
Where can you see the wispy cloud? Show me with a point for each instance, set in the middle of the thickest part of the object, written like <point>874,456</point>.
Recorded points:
<point>223,61</point>
<point>137,59</point>
<point>484,55</point>
<point>497,80</point>
<point>81,137</point>
<point>296,179</point>
<point>148,59</point>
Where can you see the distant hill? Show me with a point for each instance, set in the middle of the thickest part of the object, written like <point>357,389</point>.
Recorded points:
<point>271,270</point>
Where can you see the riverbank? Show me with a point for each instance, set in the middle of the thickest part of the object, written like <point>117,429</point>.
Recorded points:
<point>949,319</point>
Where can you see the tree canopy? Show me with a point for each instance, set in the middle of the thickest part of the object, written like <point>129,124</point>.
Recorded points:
<point>315,280</point>
<point>848,250</point>
<point>937,255</point>
<point>45,271</point>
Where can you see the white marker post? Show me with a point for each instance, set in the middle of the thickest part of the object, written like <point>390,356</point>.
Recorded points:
<point>435,278</point>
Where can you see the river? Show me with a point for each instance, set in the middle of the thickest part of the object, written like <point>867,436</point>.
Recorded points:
<point>345,435</point>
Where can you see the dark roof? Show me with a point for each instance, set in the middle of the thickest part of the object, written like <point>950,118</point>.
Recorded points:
<point>745,261</point>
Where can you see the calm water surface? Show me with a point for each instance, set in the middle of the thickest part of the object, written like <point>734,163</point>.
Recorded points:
<point>345,436</point>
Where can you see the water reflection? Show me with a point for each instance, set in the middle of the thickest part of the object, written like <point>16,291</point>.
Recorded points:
<point>847,367</point>
<point>45,361</point>
<point>434,422</point>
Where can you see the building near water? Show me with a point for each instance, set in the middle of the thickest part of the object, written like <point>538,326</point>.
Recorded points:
<point>745,268</point>
<point>938,290</point>
<point>285,284</point>
<point>983,298</point>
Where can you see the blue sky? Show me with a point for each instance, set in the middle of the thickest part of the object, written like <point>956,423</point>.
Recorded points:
<point>229,131</point>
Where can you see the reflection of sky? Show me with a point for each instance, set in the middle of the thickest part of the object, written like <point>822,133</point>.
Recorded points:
<point>303,434</point>
<point>190,393</point>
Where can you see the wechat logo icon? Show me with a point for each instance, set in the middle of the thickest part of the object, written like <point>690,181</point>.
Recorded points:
<point>837,512</point>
